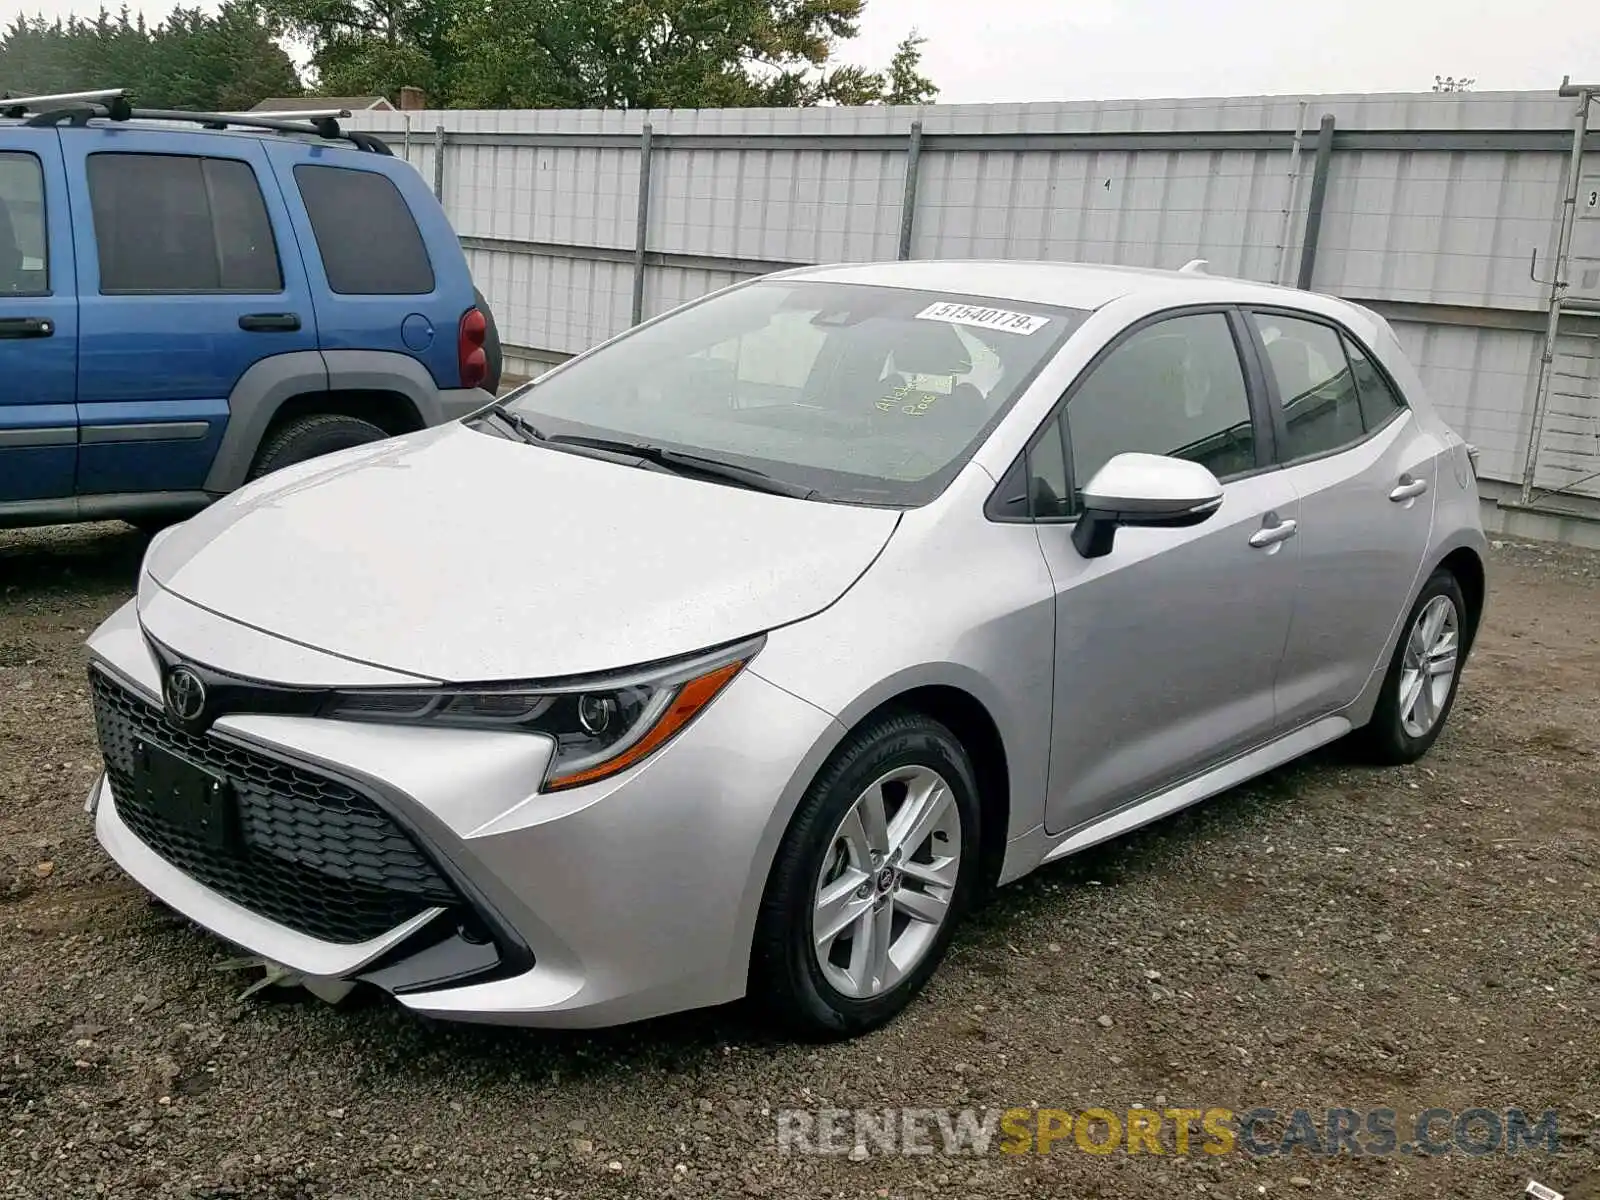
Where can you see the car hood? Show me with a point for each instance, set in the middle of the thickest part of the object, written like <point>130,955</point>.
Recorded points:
<point>460,556</point>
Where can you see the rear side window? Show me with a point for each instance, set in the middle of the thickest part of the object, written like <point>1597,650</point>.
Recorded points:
<point>1315,385</point>
<point>180,223</point>
<point>368,241</point>
<point>1378,399</point>
<point>24,266</point>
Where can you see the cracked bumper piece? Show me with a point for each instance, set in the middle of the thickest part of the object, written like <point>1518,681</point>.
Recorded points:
<point>425,861</point>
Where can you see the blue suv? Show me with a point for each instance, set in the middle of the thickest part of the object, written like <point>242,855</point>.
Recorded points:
<point>191,300</point>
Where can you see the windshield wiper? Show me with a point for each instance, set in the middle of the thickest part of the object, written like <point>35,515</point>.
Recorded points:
<point>683,462</point>
<point>523,429</point>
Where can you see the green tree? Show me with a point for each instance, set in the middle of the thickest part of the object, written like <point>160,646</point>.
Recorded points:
<point>225,60</point>
<point>902,83</point>
<point>598,53</point>
<point>374,47</point>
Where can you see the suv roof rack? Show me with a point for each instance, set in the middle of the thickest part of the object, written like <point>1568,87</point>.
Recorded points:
<point>292,114</point>
<point>111,104</point>
<point>21,106</point>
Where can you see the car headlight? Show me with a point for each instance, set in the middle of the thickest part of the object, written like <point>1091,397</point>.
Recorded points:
<point>601,725</point>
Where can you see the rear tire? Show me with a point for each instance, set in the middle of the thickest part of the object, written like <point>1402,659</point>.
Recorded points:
<point>1415,702</point>
<point>922,779</point>
<point>311,437</point>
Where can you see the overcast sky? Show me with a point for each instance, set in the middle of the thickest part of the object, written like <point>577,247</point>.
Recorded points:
<point>1109,49</point>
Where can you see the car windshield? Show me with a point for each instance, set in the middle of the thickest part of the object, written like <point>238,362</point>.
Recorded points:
<point>867,395</point>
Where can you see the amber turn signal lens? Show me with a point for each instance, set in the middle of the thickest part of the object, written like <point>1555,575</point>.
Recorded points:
<point>692,697</point>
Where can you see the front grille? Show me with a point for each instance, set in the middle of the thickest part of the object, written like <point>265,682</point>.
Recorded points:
<point>317,856</point>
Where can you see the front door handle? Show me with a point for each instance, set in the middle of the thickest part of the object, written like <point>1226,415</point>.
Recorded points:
<point>1271,535</point>
<point>1408,489</point>
<point>26,327</point>
<point>270,322</point>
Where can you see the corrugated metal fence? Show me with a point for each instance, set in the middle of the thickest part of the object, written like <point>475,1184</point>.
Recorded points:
<point>1428,208</point>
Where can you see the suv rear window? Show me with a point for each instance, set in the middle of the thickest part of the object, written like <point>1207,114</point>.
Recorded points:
<point>180,223</point>
<point>368,241</point>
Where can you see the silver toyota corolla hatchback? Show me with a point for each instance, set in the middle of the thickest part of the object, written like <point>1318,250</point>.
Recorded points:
<point>737,655</point>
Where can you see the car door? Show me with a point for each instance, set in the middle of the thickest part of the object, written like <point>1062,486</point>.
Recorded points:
<point>187,277</point>
<point>38,323</point>
<point>1365,472</point>
<point>1167,648</point>
<point>400,301</point>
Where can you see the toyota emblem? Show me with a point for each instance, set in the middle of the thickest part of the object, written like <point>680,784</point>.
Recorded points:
<point>186,694</point>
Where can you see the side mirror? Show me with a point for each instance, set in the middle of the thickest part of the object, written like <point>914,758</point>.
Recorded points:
<point>1149,490</point>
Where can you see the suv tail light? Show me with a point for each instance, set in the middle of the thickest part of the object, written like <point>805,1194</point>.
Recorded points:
<point>470,354</point>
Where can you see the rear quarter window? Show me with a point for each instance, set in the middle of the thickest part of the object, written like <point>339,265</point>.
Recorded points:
<point>1379,400</point>
<point>367,239</point>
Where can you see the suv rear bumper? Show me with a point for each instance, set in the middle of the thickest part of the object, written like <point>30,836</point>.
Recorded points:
<point>455,403</point>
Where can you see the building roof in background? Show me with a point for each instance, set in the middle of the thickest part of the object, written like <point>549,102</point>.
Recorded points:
<point>313,103</point>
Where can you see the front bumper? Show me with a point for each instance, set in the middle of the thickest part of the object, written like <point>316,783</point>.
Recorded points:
<point>623,900</point>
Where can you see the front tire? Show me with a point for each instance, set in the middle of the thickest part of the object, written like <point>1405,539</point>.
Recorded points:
<point>1420,687</point>
<point>311,437</point>
<point>872,876</point>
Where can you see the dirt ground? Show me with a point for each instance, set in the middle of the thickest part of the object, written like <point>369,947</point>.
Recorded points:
<point>1329,936</point>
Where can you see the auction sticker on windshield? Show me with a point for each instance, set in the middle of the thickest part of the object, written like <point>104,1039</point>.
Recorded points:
<point>983,318</point>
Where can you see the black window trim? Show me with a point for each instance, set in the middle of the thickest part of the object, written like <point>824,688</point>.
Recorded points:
<point>1270,383</point>
<point>216,245</point>
<point>44,202</point>
<point>1002,501</point>
<point>1404,405</point>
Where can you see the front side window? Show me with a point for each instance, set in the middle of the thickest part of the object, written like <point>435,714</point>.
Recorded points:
<point>180,223</point>
<point>1174,388</point>
<point>24,269</point>
<point>865,394</point>
<point>1318,393</point>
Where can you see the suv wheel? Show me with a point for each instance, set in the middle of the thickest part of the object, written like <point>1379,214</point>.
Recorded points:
<point>876,868</point>
<point>310,437</point>
<point>1420,687</point>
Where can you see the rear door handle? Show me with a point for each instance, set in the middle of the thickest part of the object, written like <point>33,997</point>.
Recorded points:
<point>1408,489</point>
<point>26,327</point>
<point>270,322</point>
<point>1271,535</point>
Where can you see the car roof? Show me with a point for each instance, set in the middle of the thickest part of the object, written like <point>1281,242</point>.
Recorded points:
<point>1069,285</point>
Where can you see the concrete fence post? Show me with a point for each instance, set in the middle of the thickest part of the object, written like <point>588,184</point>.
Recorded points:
<point>908,199</point>
<point>642,230</point>
<point>1319,194</point>
<point>438,162</point>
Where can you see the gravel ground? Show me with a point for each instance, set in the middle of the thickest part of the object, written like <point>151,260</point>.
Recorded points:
<point>1327,936</point>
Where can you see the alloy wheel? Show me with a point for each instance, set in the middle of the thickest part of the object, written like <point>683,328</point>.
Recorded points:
<point>887,881</point>
<point>1428,669</point>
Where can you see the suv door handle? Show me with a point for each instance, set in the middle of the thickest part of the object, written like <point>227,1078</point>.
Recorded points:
<point>270,322</point>
<point>1271,535</point>
<point>26,327</point>
<point>1408,489</point>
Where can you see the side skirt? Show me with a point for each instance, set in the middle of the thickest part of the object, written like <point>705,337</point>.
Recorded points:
<point>115,506</point>
<point>1036,848</point>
